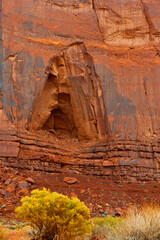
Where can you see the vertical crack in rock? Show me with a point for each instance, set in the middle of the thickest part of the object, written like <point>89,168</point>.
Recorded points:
<point>94,9</point>
<point>155,163</point>
<point>1,100</point>
<point>72,99</point>
<point>146,94</point>
<point>151,27</point>
<point>13,99</point>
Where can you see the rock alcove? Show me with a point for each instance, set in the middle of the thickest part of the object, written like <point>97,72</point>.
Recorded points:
<point>72,98</point>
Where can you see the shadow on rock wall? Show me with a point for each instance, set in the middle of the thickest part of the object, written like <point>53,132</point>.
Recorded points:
<point>121,113</point>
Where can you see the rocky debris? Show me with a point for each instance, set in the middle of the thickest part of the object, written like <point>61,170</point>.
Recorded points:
<point>24,192</point>
<point>8,181</point>
<point>13,186</point>
<point>102,197</point>
<point>70,180</point>
<point>83,191</point>
<point>30,180</point>
<point>2,192</point>
<point>23,184</point>
<point>10,188</point>
<point>119,211</point>
<point>72,194</point>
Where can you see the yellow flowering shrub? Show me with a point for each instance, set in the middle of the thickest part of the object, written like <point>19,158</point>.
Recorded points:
<point>52,214</point>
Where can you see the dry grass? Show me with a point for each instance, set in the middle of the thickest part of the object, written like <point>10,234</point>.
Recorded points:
<point>3,233</point>
<point>141,223</point>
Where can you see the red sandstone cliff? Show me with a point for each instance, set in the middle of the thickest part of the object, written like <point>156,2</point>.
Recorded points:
<point>122,37</point>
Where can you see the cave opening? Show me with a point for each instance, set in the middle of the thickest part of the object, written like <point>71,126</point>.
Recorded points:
<point>61,119</point>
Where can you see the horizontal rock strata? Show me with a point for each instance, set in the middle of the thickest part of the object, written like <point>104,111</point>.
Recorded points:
<point>118,160</point>
<point>123,40</point>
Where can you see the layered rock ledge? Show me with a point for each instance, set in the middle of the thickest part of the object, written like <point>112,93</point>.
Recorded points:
<point>120,71</point>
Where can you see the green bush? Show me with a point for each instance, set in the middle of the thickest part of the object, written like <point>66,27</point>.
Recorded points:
<point>105,228</point>
<point>52,214</point>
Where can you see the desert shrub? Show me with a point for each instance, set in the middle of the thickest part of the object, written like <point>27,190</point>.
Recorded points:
<point>105,228</point>
<point>51,214</point>
<point>141,223</point>
<point>100,230</point>
<point>3,233</point>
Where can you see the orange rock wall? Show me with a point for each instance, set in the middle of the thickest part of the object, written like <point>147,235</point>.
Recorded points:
<point>122,36</point>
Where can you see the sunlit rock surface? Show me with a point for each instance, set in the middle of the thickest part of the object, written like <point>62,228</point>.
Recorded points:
<point>122,37</point>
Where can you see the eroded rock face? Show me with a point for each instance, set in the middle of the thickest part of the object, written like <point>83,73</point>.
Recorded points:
<point>130,23</point>
<point>72,98</point>
<point>129,71</point>
<point>123,39</point>
<point>123,23</point>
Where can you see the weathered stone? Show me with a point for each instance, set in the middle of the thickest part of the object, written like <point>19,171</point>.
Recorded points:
<point>7,195</point>
<point>83,191</point>
<point>70,180</point>
<point>107,163</point>
<point>2,192</point>
<point>72,194</point>
<point>24,192</point>
<point>8,181</point>
<point>23,184</point>
<point>5,125</point>
<point>10,188</point>
<point>8,138</point>
<point>9,149</point>
<point>30,180</point>
<point>119,211</point>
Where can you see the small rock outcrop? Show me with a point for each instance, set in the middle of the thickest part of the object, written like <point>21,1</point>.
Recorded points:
<point>72,98</point>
